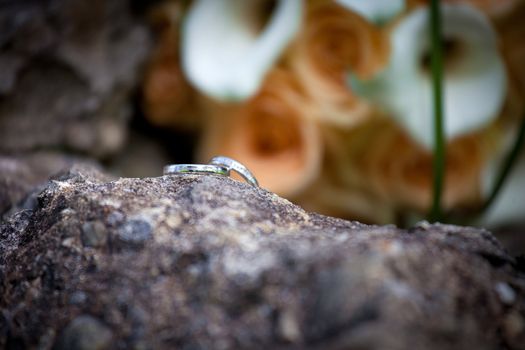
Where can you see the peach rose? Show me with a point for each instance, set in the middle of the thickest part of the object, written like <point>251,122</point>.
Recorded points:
<point>333,42</point>
<point>272,134</point>
<point>380,156</point>
<point>511,33</point>
<point>328,195</point>
<point>166,93</point>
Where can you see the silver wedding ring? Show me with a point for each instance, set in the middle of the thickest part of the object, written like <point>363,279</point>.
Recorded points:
<point>234,165</point>
<point>196,169</point>
<point>218,166</point>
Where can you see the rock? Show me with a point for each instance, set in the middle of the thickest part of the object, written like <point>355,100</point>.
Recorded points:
<point>67,69</point>
<point>21,174</point>
<point>197,261</point>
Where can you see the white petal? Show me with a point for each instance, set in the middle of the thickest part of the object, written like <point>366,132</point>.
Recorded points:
<point>377,11</point>
<point>223,53</point>
<point>474,86</point>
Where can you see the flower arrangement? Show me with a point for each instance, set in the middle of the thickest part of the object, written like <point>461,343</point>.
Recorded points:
<point>332,104</point>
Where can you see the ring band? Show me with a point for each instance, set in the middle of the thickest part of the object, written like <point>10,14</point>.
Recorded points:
<point>218,166</point>
<point>214,169</point>
<point>231,164</point>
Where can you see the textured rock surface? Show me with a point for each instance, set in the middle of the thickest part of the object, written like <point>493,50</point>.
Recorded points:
<point>66,71</point>
<point>22,174</point>
<point>195,262</point>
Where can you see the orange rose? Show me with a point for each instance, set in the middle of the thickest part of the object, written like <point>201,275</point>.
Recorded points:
<point>272,134</point>
<point>329,196</point>
<point>379,156</point>
<point>333,42</point>
<point>166,93</point>
<point>511,32</point>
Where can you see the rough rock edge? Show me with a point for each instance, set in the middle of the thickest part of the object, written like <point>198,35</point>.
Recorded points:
<point>204,261</point>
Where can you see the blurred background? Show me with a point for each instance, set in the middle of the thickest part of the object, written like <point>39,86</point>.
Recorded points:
<point>329,103</point>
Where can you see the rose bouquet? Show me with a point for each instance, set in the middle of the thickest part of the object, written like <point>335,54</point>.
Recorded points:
<point>330,103</point>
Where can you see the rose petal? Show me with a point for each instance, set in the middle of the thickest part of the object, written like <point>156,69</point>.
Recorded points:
<point>333,40</point>
<point>272,134</point>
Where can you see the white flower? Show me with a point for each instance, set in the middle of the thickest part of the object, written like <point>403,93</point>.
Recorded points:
<point>377,11</point>
<point>226,53</point>
<point>474,78</point>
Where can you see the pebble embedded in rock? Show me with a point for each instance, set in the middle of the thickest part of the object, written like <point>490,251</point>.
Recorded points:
<point>85,333</point>
<point>505,292</point>
<point>94,234</point>
<point>288,327</point>
<point>115,218</point>
<point>134,233</point>
<point>78,298</point>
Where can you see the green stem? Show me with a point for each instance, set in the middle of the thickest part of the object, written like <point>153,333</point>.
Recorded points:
<point>507,166</point>
<point>437,89</point>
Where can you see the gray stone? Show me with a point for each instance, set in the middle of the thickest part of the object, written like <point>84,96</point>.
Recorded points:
<point>85,333</point>
<point>94,234</point>
<point>225,265</point>
<point>78,298</point>
<point>134,233</point>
